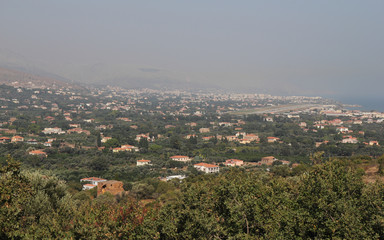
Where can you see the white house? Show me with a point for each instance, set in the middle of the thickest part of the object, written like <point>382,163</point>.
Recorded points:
<point>92,182</point>
<point>88,186</point>
<point>233,162</point>
<point>145,136</point>
<point>225,124</point>
<point>207,168</point>
<point>17,139</point>
<point>180,177</point>
<point>105,139</point>
<point>350,140</point>
<point>180,158</point>
<point>373,143</point>
<point>342,129</point>
<point>143,162</point>
<point>54,130</point>
<point>38,153</point>
<point>130,148</point>
<point>32,141</point>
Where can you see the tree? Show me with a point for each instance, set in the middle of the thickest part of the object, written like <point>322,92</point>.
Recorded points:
<point>107,218</point>
<point>112,143</point>
<point>328,202</point>
<point>142,190</point>
<point>143,145</point>
<point>15,190</point>
<point>192,140</point>
<point>155,148</point>
<point>33,205</point>
<point>175,142</point>
<point>99,164</point>
<point>317,157</point>
<point>380,161</point>
<point>98,140</point>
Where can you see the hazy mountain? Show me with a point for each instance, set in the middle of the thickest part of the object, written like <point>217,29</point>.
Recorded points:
<point>17,70</point>
<point>115,74</point>
<point>130,76</point>
<point>19,78</point>
<point>14,61</point>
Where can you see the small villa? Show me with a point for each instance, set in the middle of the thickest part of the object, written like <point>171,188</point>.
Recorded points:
<point>38,153</point>
<point>143,162</point>
<point>92,182</point>
<point>233,162</point>
<point>180,158</point>
<point>5,140</point>
<point>207,168</point>
<point>17,139</point>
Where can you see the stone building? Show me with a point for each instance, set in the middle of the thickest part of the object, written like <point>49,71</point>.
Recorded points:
<point>112,186</point>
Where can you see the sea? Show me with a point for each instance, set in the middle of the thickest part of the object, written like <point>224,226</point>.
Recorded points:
<point>375,103</point>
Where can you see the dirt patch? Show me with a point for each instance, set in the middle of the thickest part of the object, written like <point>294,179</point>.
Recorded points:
<point>372,174</point>
<point>145,202</point>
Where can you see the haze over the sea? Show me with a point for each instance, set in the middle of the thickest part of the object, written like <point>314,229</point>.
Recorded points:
<point>367,103</point>
<point>314,48</point>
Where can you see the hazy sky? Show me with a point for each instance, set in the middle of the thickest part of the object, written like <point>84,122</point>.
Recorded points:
<point>321,47</point>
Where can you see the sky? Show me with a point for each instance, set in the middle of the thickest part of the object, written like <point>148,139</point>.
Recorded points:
<point>287,47</point>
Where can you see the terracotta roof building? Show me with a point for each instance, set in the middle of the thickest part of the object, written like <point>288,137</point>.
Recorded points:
<point>233,162</point>
<point>38,153</point>
<point>268,160</point>
<point>143,162</point>
<point>17,139</point>
<point>207,168</point>
<point>180,158</point>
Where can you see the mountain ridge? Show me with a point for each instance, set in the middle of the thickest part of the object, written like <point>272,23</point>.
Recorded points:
<point>19,78</point>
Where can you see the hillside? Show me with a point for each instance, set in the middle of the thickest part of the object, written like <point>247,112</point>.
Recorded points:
<point>131,76</point>
<point>15,67</point>
<point>18,78</point>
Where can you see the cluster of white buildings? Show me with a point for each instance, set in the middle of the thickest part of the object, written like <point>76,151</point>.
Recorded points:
<point>92,182</point>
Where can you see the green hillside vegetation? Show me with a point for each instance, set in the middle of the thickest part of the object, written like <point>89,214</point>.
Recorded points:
<point>325,201</point>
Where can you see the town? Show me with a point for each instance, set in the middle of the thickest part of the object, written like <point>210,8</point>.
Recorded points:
<point>132,135</point>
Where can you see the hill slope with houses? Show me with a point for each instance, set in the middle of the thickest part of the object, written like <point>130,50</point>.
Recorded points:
<point>18,78</point>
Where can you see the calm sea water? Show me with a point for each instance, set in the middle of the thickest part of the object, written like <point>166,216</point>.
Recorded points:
<point>367,103</point>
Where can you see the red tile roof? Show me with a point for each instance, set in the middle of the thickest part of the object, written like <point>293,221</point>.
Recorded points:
<point>142,160</point>
<point>179,156</point>
<point>37,152</point>
<point>206,165</point>
<point>93,179</point>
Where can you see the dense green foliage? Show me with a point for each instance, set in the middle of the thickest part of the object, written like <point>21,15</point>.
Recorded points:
<point>34,206</point>
<point>328,201</point>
